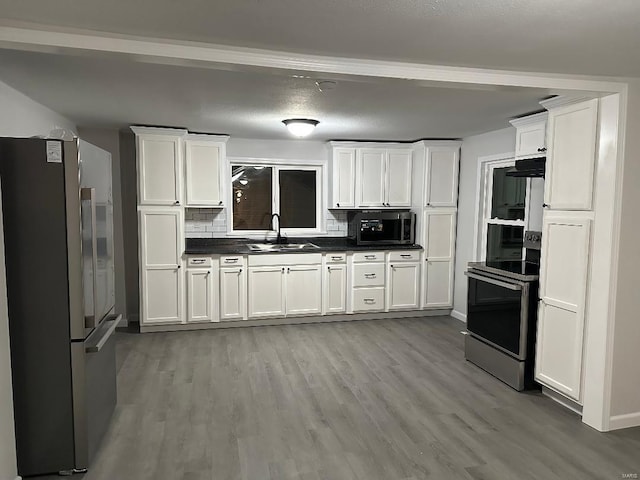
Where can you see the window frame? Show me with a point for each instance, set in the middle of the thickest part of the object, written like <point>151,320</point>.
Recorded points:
<point>484,214</point>
<point>277,165</point>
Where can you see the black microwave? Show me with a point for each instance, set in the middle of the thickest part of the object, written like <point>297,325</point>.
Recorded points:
<point>382,227</point>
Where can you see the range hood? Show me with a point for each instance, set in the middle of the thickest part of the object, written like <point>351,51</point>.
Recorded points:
<point>528,167</point>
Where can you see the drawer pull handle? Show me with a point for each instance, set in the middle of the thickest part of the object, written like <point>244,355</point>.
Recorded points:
<point>405,255</point>
<point>197,261</point>
<point>230,260</point>
<point>369,300</point>
<point>370,275</point>
<point>369,256</point>
<point>336,258</point>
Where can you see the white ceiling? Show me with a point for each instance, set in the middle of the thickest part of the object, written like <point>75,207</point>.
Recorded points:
<point>115,93</point>
<point>572,36</point>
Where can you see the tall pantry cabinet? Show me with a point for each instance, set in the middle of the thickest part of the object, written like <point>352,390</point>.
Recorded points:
<point>435,202</point>
<point>565,255</point>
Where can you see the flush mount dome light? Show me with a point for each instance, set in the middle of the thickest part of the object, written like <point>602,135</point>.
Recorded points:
<point>300,127</point>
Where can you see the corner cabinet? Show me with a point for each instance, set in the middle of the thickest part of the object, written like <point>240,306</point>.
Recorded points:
<point>159,165</point>
<point>561,314</point>
<point>572,145</point>
<point>161,280</point>
<point>204,170</point>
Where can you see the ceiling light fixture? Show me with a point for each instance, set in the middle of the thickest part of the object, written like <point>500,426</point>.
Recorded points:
<point>300,127</point>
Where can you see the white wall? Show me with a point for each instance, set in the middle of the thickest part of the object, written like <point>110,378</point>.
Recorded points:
<point>19,117</point>
<point>625,385</point>
<point>486,144</point>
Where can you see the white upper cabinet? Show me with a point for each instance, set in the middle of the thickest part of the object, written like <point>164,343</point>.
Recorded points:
<point>159,162</point>
<point>563,289</point>
<point>572,143</point>
<point>441,183</point>
<point>204,163</point>
<point>343,178</point>
<point>383,178</point>
<point>531,135</point>
<point>371,177</point>
<point>398,178</point>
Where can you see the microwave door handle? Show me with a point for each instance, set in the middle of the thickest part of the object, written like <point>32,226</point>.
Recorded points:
<point>89,194</point>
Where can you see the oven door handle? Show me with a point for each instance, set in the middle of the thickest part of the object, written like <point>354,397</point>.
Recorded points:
<point>493,281</point>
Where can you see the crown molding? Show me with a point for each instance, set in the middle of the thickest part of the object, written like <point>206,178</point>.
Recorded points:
<point>529,119</point>
<point>563,101</point>
<point>139,130</point>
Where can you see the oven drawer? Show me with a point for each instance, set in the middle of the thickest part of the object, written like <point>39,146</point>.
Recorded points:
<point>368,275</point>
<point>368,299</point>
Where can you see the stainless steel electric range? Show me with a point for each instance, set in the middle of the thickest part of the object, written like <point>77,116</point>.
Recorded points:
<point>501,315</point>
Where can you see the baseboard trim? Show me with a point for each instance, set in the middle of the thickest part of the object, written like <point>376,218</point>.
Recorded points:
<point>562,400</point>
<point>616,422</point>
<point>459,316</point>
<point>295,320</point>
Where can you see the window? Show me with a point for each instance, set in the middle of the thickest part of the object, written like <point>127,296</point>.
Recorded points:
<point>505,213</point>
<point>259,191</point>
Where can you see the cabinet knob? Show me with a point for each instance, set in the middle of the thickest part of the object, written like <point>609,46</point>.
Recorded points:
<point>177,202</point>
<point>337,204</point>
<point>240,271</point>
<point>282,269</point>
<point>543,149</point>
<point>545,205</point>
<point>179,266</point>
<point>220,202</point>
<point>428,204</point>
<point>288,270</point>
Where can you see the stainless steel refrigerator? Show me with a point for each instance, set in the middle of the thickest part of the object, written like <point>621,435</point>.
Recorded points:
<point>57,215</point>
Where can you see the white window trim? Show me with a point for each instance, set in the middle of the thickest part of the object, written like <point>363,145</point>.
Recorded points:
<point>483,202</point>
<point>279,164</point>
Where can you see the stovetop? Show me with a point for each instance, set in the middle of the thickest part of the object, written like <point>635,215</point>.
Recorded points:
<point>519,270</point>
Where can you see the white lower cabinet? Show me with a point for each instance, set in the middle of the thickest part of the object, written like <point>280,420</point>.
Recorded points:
<point>368,282</point>
<point>368,299</point>
<point>200,295</point>
<point>233,293</point>
<point>335,289</point>
<point>281,285</point>
<point>404,286</point>
<point>303,290</point>
<point>561,315</point>
<point>266,291</point>
<point>162,280</point>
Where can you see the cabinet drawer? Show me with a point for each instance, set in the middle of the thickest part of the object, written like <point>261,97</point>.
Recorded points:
<point>366,299</point>
<point>368,275</point>
<point>336,257</point>
<point>368,257</point>
<point>405,256</point>
<point>231,260</point>
<point>205,262</point>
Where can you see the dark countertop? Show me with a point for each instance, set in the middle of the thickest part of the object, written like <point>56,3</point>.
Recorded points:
<point>238,246</point>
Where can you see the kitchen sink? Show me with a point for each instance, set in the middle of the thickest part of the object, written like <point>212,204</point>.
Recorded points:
<point>281,247</point>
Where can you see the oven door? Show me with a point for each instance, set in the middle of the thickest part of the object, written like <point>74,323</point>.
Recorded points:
<point>497,312</point>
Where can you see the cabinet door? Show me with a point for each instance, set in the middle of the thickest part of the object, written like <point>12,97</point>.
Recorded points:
<point>530,140</point>
<point>335,291</point>
<point>404,286</point>
<point>266,293</point>
<point>161,240</point>
<point>199,295</point>
<point>159,169</point>
<point>371,177</point>
<point>344,178</point>
<point>572,136</point>
<point>563,286</point>
<point>439,250</point>
<point>398,187</point>
<point>203,164</point>
<point>303,290</point>
<point>442,177</point>
<point>233,295</point>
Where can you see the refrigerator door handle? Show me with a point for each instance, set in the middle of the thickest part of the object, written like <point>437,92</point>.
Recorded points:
<point>112,323</point>
<point>89,194</point>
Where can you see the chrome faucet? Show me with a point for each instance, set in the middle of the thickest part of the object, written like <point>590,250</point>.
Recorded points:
<point>279,238</point>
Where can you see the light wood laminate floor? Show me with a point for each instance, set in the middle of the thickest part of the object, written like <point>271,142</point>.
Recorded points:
<point>367,400</point>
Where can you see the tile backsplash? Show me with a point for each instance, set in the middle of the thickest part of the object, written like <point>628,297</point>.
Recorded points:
<point>212,223</point>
